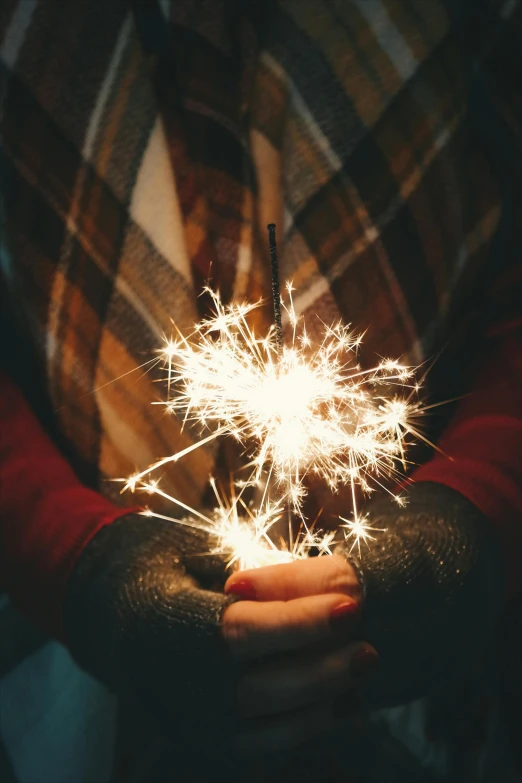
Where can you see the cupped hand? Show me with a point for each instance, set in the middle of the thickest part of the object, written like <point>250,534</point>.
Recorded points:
<point>199,664</point>
<point>295,631</point>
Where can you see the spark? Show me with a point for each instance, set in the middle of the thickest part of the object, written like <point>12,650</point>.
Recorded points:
<point>240,534</point>
<point>358,529</point>
<point>299,409</point>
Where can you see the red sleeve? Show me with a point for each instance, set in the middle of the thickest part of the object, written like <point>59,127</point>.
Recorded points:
<point>46,515</point>
<point>482,448</point>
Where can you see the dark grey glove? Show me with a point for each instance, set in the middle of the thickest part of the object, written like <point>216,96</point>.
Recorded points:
<point>136,620</point>
<point>432,591</point>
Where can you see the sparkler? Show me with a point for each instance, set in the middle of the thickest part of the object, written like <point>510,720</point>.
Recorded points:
<point>242,533</point>
<point>298,409</point>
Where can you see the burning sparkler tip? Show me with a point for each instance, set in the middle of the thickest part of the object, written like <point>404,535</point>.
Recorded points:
<point>305,409</point>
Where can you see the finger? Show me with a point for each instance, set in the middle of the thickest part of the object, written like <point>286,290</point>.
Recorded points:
<point>284,582</point>
<point>287,731</point>
<point>285,686</point>
<point>253,629</point>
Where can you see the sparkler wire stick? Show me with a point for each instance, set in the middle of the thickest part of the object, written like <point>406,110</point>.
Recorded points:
<point>276,299</point>
<point>276,294</point>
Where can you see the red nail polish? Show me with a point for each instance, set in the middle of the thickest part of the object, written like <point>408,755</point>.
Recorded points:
<point>242,589</point>
<point>363,662</point>
<point>343,616</point>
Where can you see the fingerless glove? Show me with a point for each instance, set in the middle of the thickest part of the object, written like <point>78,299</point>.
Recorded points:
<point>432,588</point>
<point>138,621</point>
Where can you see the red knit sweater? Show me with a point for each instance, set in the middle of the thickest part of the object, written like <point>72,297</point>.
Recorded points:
<point>46,515</point>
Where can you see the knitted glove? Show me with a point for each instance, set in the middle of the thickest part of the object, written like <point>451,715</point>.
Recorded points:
<point>432,589</point>
<point>135,619</point>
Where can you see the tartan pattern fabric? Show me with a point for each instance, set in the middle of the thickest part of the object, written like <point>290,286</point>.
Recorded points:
<point>146,146</point>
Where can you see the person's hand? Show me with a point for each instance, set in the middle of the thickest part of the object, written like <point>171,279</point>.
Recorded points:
<point>162,639</point>
<point>432,582</point>
<point>294,634</point>
<point>137,620</point>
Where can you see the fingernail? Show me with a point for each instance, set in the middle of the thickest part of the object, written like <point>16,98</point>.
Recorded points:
<point>363,662</point>
<point>343,616</point>
<point>242,589</point>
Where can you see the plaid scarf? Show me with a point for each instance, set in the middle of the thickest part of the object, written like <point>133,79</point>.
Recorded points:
<point>146,146</point>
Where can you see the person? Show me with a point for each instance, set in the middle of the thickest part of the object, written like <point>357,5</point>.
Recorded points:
<point>145,146</point>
